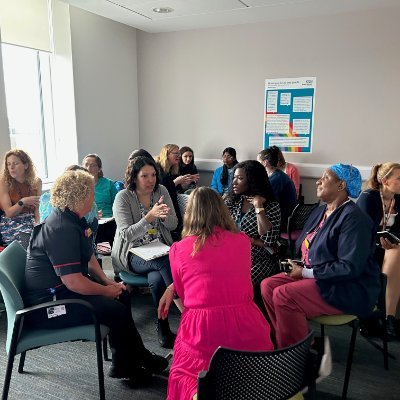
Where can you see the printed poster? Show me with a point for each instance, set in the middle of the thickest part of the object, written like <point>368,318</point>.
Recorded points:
<point>289,114</point>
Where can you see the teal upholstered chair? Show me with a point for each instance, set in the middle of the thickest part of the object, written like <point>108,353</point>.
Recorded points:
<point>21,338</point>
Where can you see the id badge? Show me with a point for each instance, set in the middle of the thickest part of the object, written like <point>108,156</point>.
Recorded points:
<point>55,311</point>
<point>152,231</point>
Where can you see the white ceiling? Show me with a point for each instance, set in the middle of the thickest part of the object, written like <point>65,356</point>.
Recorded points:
<point>194,14</point>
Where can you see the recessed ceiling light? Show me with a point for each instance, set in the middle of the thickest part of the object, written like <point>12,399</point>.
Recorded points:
<point>163,10</point>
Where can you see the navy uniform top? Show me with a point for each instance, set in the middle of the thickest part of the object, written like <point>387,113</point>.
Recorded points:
<point>342,257</point>
<point>59,246</point>
<point>285,194</point>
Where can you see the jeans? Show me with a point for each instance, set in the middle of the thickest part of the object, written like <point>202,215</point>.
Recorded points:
<point>158,273</point>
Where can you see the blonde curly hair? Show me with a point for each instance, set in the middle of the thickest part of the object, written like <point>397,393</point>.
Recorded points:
<point>71,189</point>
<point>30,173</point>
<point>162,159</point>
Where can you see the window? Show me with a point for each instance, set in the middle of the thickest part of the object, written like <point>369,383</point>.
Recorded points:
<point>27,79</point>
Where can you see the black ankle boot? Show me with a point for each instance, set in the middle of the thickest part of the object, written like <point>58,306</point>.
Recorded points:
<point>166,338</point>
<point>391,327</point>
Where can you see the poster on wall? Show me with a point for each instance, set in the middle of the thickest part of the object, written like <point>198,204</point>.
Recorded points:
<point>289,114</point>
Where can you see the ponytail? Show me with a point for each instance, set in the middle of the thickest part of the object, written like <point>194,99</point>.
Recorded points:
<point>373,182</point>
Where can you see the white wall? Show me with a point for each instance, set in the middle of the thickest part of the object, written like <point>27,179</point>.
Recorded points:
<point>105,79</point>
<point>4,134</point>
<point>205,88</point>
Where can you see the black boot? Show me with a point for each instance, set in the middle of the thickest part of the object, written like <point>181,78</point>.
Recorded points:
<point>391,327</point>
<point>166,338</point>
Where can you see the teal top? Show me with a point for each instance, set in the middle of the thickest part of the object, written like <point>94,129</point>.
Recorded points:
<point>45,208</point>
<point>104,195</point>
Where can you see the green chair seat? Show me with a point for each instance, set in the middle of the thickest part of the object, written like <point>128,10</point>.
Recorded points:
<point>132,279</point>
<point>334,320</point>
<point>44,337</point>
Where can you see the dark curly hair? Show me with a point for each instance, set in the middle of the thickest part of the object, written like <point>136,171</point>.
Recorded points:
<point>133,169</point>
<point>140,153</point>
<point>257,179</point>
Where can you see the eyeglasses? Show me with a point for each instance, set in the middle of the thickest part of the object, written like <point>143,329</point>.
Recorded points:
<point>175,153</point>
<point>227,157</point>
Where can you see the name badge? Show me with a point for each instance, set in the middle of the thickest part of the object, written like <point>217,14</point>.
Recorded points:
<point>56,311</point>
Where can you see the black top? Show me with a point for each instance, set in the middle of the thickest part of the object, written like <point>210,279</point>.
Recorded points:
<point>167,180</point>
<point>370,202</point>
<point>61,245</point>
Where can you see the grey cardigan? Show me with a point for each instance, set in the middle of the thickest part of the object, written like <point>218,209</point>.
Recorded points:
<point>130,225</point>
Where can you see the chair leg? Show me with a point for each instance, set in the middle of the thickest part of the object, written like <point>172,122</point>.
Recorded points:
<point>354,325</point>
<point>385,344</point>
<point>100,370</point>
<point>105,349</point>
<point>7,378</point>
<point>21,362</point>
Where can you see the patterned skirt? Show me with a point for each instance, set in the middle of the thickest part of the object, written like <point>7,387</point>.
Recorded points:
<point>10,228</point>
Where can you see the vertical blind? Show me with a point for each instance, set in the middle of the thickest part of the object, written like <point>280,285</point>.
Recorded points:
<point>25,23</point>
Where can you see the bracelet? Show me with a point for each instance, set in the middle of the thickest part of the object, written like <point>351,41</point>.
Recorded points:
<point>171,287</point>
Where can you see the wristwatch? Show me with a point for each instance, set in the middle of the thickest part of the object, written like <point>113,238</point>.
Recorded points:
<point>21,203</point>
<point>259,209</point>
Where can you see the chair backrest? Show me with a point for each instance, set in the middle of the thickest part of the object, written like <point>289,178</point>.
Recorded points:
<point>12,281</point>
<point>299,216</point>
<point>182,202</point>
<point>235,374</point>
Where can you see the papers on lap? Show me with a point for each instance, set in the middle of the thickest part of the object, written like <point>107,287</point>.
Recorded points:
<point>387,235</point>
<point>151,251</point>
<point>105,220</point>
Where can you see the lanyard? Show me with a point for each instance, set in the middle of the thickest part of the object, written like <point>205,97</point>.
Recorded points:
<point>386,216</point>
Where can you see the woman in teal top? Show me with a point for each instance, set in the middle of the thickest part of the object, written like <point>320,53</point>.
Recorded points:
<point>104,195</point>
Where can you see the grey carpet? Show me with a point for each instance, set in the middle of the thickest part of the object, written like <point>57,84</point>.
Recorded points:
<point>68,371</point>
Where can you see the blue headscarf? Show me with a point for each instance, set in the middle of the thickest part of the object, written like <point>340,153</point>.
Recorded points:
<point>351,175</point>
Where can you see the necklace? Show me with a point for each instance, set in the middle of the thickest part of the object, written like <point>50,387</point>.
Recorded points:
<point>386,211</point>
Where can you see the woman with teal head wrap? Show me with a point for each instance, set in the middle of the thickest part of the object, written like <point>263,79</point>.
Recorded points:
<point>337,273</point>
<point>351,175</point>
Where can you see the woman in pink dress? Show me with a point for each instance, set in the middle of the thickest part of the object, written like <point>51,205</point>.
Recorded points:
<point>211,270</point>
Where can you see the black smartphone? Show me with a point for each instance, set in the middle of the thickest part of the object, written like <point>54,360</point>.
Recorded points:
<point>285,266</point>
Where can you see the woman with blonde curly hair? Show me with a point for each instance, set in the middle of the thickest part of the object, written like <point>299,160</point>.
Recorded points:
<point>381,201</point>
<point>168,165</point>
<point>211,270</point>
<point>20,190</point>
<point>61,265</point>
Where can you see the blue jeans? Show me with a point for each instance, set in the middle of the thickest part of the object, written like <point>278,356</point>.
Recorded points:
<point>158,273</point>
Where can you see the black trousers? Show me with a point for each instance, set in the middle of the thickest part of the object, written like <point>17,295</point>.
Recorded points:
<point>126,345</point>
<point>106,232</point>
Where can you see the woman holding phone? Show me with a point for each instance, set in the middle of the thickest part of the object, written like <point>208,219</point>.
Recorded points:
<point>340,274</point>
<point>381,201</point>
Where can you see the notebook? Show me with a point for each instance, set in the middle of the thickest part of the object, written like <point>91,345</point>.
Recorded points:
<point>151,251</point>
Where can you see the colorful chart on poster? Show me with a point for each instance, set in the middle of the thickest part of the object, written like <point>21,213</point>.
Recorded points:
<point>289,114</point>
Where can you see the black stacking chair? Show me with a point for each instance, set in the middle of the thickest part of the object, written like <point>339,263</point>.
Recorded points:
<point>269,375</point>
<point>296,224</point>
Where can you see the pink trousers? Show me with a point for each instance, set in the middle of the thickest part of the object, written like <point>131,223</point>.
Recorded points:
<point>289,303</point>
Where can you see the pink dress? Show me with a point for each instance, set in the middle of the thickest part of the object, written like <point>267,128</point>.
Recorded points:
<point>217,293</point>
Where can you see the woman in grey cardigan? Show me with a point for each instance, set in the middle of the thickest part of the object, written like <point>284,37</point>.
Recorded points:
<point>144,213</point>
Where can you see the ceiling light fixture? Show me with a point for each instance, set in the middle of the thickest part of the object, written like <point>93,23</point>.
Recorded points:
<point>163,10</point>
